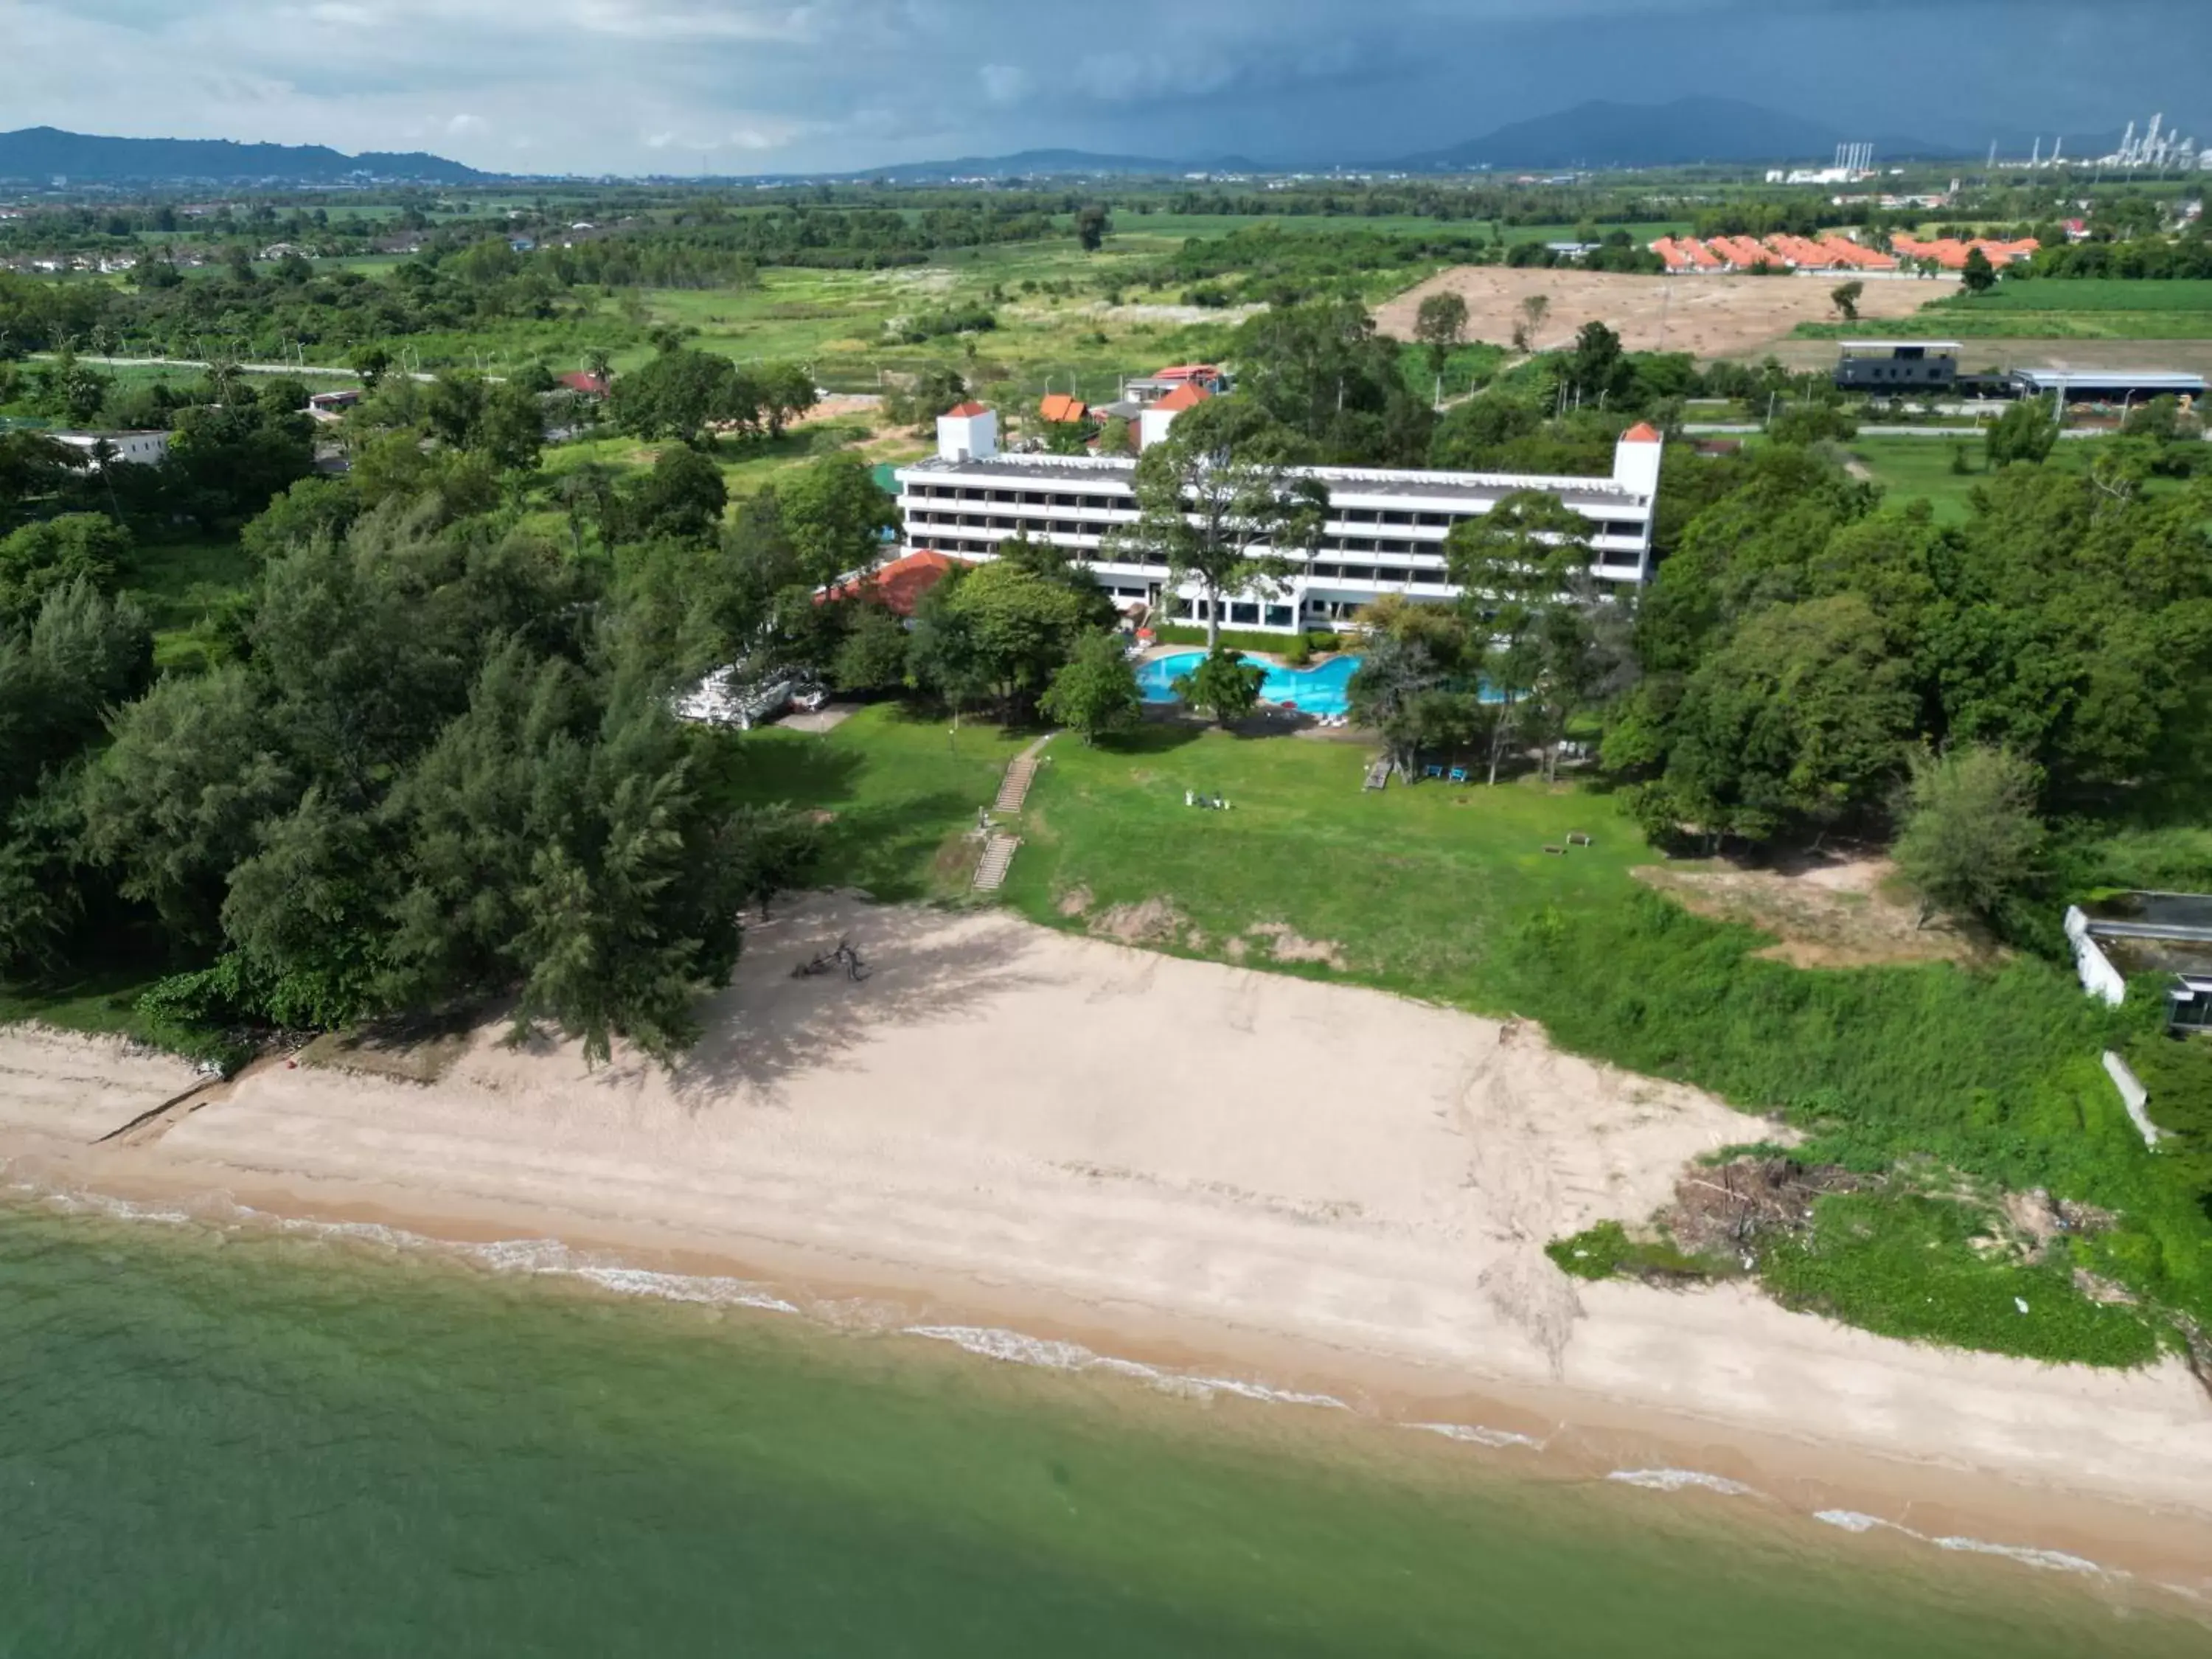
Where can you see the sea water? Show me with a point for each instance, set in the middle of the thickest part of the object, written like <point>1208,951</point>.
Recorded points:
<point>229,1440</point>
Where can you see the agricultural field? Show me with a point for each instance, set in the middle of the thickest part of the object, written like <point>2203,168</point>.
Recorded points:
<point>2058,309</point>
<point>1054,330</point>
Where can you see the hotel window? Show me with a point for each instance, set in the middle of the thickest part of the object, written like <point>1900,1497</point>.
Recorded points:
<point>1432,518</point>
<point>1397,518</point>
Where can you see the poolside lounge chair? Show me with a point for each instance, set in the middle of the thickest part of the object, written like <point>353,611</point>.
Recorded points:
<point>1459,775</point>
<point>1378,775</point>
<point>1432,770</point>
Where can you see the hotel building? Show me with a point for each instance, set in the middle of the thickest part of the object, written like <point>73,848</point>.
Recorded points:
<point>1384,533</point>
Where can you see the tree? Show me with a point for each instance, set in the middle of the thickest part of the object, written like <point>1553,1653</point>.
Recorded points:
<point>1323,370</point>
<point>2024,432</point>
<point>1515,564</point>
<point>1534,308</point>
<point>1092,225</point>
<point>43,558</point>
<point>682,498</point>
<point>1218,505</point>
<point>510,427</point>
<point>1979,276</point>
<point>1798,720</point>
<point>1595,370</point>
<point>943,655</point>
<point>873,656</point>
<point>835,516</point>
<point>1019,628</point>
<point>1222,685</point>
<point>1409,686</point>
<point>370,363</point>
<point>1095,691</point>
<point>1971,834</point>
<point>1845,297</point>
<point>312,506</point>
<point>1441,324</point>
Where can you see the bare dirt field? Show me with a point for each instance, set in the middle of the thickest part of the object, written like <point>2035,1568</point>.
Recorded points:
<point>1827,913</point>
<point>1707,316</point>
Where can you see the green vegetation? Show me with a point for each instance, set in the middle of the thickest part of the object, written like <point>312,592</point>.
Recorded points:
<point>1606,1251</point>
<point>1909,1267</point>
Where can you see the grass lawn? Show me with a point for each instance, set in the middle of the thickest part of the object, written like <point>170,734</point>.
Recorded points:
<point>184,585</point>
<point>901,790</point>
<point>1412,885</point>
<point>1920,468</point>
<point>1982,1078</point>
<point>2047,309</point>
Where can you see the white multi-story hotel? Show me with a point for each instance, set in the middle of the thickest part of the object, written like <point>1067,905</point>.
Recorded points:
<point>1384,533</point>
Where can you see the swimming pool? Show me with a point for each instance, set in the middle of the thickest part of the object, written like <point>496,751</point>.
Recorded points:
<point>1319,691</point>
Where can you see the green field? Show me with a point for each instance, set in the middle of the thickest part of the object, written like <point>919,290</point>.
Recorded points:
<point>2053,309</point>
<point>1445,892</point>
<point>184,586</point>
<point>835,321</point>
<point>1910,469</point>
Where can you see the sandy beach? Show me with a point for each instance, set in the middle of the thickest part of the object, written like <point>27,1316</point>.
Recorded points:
<point>1172,1156</point>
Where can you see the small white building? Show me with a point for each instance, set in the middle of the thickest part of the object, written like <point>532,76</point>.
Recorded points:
<point>1384,533</point>
<point>139,448</point>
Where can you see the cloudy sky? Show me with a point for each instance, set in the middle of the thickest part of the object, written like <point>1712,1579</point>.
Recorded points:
<point>744,86</point>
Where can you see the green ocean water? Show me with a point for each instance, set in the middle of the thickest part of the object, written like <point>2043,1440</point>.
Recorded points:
<point>227,1443</point>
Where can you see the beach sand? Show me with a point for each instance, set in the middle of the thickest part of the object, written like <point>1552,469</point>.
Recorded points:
<point>1171,1157</point>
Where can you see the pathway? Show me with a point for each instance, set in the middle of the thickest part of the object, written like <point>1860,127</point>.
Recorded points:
<point>1013,790</point>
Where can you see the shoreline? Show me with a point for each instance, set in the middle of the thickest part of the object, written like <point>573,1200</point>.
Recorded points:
<point>872,1170</point>
<point>1548,1431</point>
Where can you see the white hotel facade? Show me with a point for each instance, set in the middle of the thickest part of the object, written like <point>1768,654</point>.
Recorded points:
<point>1384,533</point>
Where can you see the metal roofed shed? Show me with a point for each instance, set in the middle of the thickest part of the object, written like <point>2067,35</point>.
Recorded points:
<point>2108,385</point>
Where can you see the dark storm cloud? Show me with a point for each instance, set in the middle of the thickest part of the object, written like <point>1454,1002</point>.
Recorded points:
<point>755,85</point>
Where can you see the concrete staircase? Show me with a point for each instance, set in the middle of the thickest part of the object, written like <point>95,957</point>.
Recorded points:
<point>1013,790</point>
<point>998,854</point>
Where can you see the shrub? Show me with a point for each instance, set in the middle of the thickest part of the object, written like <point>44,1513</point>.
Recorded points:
<point>1243,638</point>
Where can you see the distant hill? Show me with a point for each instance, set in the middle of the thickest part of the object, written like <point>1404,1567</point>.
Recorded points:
<point>38,154</point>
<point>1045,163</point>
<point>1679,134</point>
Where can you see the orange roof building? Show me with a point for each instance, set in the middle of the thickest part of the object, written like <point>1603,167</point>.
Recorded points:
<point>1059,409</point>
<point>899,586</point>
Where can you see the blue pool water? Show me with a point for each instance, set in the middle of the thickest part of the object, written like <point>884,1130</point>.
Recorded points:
<point>1319,690</point>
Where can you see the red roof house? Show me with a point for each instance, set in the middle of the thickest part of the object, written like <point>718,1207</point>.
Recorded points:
<point>898,586</point>
<point>590,385</point>
<point>1059,407</point>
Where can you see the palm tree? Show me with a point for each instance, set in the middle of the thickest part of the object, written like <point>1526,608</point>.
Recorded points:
<point>599,364</point>
<point>103,456</point>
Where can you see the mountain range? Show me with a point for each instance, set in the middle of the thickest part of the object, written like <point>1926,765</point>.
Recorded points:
<point>40,154</point>
<point>1595,135</point>
<point>1688,130</point>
